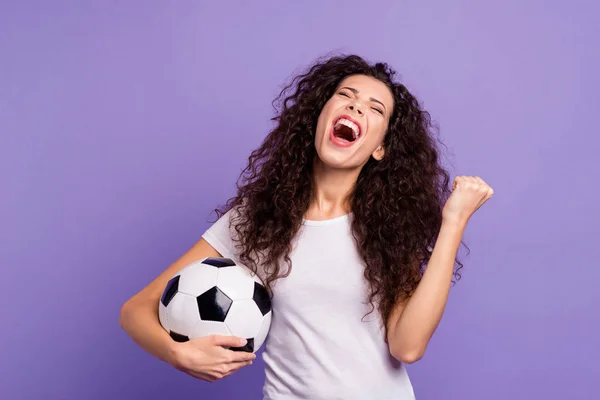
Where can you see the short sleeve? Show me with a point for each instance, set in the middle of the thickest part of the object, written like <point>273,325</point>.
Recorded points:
<point>220,236</point>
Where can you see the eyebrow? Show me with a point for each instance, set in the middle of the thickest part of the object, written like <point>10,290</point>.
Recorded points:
<point>371,98</point>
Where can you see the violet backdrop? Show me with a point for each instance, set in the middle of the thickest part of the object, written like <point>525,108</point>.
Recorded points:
<point>123,124</point>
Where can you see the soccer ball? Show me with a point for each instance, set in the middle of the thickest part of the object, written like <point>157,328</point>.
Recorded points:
<point>216,296</point>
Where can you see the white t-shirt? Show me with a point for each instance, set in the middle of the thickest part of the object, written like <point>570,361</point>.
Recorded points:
<point>318,348</point>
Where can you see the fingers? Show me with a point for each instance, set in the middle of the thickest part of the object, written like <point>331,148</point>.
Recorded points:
<point>241,356</point>
<point>234,366</point>
<point>483,185</point>
<point>202,376</point>
<point>467,180</point>
<point>475,182</point>
<point>220,372</point>
<point>228,341</point>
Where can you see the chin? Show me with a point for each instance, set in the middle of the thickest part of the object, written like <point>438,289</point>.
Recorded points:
<point>333,159</point>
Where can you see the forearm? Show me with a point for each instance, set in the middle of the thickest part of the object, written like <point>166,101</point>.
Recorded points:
<point>140,321</point>
<point>423,311</point>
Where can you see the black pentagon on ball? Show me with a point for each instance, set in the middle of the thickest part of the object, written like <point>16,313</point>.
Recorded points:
<point>261,298</point>
<point>248,347</point>
<point>170,291</point>
<point>219,262</point>
<point>213,305</point>
<point>178,337</point>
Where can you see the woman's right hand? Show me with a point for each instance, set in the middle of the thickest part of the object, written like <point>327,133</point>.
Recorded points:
<point>209,358</point>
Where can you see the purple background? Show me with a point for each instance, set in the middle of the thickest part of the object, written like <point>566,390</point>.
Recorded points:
<point>122,124</point>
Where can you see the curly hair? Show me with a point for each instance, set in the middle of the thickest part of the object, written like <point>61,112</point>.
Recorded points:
<point>396,202</point>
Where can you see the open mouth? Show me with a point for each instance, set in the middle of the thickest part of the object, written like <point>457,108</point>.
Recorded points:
<point>345,131</point>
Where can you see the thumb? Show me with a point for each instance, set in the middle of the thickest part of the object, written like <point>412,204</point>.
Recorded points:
<point>229,341</point>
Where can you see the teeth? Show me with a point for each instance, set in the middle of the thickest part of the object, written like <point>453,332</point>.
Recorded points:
<point>349,124</point>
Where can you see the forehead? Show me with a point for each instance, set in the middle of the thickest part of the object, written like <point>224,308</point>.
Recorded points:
<point>369,87</point>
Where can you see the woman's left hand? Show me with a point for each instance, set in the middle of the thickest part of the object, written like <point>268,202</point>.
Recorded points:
<point>469,193</point>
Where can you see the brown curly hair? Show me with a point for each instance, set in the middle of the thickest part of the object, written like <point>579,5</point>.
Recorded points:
<point>396,202</point>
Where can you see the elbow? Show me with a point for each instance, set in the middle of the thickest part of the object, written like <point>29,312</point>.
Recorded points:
<point>409,358</point>
<point>124,314</point>
<point>408,355</point>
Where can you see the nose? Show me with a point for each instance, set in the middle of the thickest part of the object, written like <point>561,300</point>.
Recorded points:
<point>356,107</point>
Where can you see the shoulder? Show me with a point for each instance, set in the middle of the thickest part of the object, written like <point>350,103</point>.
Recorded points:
<point>221,234</point>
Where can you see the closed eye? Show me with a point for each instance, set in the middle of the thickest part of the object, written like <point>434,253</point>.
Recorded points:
<point>378,110</point>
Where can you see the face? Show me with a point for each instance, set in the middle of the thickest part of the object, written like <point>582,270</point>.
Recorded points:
<point>352,124</point>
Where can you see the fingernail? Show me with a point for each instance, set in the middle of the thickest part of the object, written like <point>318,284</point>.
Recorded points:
<point>243,342</point>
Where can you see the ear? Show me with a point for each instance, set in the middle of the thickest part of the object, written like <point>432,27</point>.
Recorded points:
<point>379,153</point>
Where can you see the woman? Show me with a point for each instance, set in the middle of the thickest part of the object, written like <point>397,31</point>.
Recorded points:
<point>339,211</point>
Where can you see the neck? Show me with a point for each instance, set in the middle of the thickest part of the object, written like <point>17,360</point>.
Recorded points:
<point>331,190</point>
